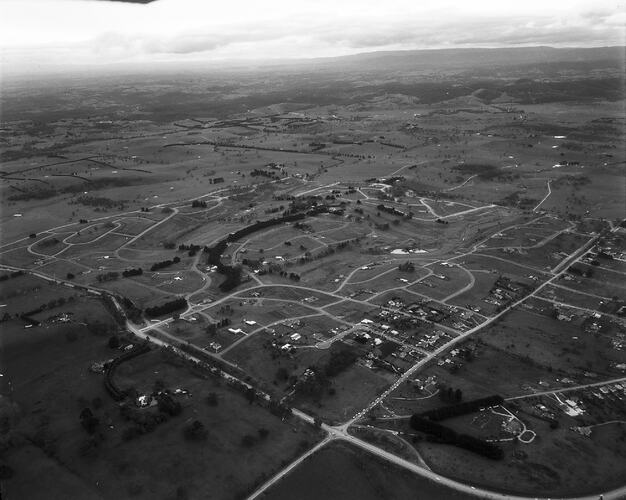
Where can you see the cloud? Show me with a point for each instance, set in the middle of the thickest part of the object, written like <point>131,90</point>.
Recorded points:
<point>110,32</point>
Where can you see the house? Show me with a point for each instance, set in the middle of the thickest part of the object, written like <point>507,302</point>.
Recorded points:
<point>295,337</point>
<point>249,322</point>
<point>143,400</point>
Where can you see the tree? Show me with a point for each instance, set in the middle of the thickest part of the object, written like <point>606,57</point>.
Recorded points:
<point>250,395</point>
<point>458,395</point>
<point>196,431</point>
<point>442,392</point>
<point>212,399</point>
<point>167,405</point>
<point>263,433</point>
<point>282,374</point>
<point>181,493</point>
<point>70,276</point>
<point>89,421</point>
<point>114,342</point>
<point>6,472</point>
<point>248,441</point>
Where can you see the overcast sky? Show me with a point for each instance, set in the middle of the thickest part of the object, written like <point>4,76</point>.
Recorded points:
<point>36,34</point>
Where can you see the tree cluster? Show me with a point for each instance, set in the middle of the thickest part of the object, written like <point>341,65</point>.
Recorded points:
<point>167,404</point>
<point>339,361</point>
<point>461,408</point>
<point>110,276</point>
<point>143,421</point>
<point>407,267</point>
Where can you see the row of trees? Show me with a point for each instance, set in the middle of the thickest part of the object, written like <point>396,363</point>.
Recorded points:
<point>165,263</point>
<point>191,249</point>
<point>111,387</point>
<point>461,408</point>
<point>449,395</point>
<point>264,173</point>
<point>167,307</point>
<point>233,273</point>
<point>392,211</point>
<point>14,274</point>
<point>446,435</point>
<point>132,272</point>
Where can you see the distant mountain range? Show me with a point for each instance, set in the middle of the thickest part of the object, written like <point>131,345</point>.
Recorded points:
<point>442,59</point>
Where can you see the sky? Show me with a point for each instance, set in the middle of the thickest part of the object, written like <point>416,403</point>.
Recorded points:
<point>46,34</point>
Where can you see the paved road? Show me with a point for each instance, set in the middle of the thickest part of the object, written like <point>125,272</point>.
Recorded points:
<point>544,198</point>
<point>467,287</point>
<point>461,185</point>
<point>568,389</point>
<point>265,486</point>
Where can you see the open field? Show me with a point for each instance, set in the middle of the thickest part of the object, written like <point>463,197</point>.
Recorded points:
<point>61,447</point>
<point>340,471</point>
<point>543,468</point>
<point>562,345</point>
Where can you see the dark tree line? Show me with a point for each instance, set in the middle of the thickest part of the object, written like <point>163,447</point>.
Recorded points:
<point>14,274</point>
<point>233,273</point>
<point>116,393</point>
<point>167,307</point>
<point>132,272</point>
<point>442,434</point>
<point>191,249</point>
<point>163,264</point>
<point>264,173</point>
<point>391,210</point>
<point>461,408</point>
